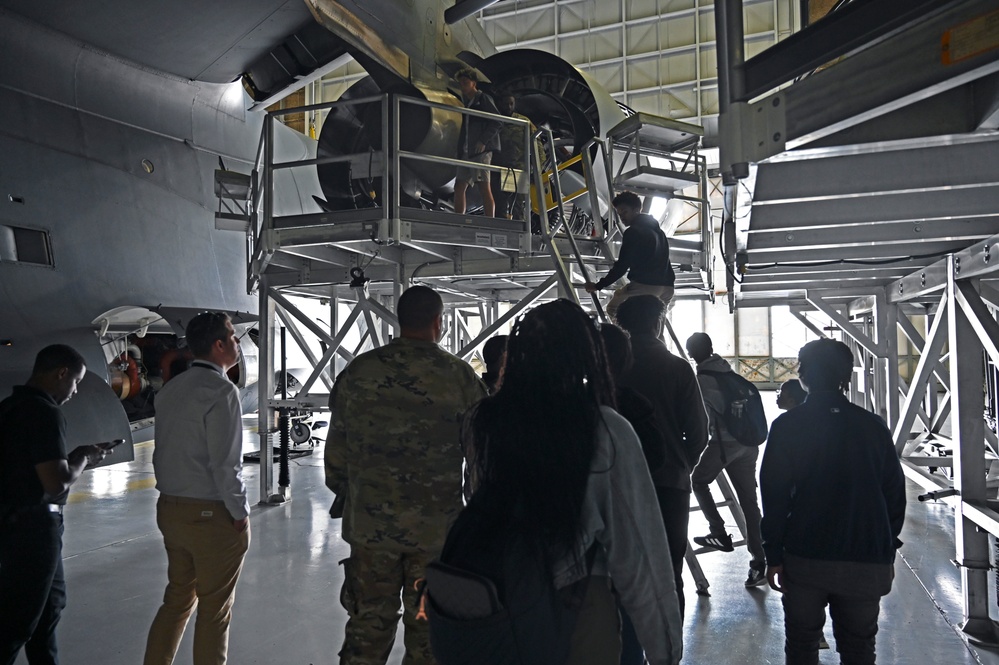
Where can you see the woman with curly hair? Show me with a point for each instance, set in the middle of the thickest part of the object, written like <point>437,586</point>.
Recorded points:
<point>568,473</point>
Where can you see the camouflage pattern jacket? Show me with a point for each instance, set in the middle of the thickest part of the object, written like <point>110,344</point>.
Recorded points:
<point>393,444</point>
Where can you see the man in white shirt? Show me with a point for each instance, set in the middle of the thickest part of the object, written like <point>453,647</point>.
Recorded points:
<point>202,512</point>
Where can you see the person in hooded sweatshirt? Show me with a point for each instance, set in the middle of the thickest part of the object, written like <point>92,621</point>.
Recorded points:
<point>724,452</point>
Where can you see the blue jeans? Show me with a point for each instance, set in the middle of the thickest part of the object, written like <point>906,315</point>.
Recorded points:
<point>32,585</point>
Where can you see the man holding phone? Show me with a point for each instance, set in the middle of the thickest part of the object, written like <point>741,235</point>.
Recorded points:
<point>202,511</point>
<point>35,478</point>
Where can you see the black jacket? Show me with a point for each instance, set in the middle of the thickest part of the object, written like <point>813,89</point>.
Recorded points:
<point>668,382</point>
<point>644,255</point>
<point>832,485</point>
<point>639,413</point>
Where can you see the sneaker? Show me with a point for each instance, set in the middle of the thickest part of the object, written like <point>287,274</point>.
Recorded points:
<point>711,541</point>
<point>757,577</point>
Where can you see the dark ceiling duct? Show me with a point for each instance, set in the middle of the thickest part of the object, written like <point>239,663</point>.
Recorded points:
<point>310,48</point>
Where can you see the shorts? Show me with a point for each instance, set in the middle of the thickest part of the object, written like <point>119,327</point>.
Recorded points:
<point>471,175</point>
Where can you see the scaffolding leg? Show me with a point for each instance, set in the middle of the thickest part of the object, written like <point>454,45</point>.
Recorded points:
<point>700,581</point>
<point>732,502</point>
<point>679,347</point>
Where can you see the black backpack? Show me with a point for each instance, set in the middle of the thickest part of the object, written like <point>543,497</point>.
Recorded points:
<point>744,416</point>
<point>489,600</point>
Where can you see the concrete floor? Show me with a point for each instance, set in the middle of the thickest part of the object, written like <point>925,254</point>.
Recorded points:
<point>287,608</point>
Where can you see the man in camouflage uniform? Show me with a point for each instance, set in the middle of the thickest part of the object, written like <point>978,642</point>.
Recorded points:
<point>393,450</point>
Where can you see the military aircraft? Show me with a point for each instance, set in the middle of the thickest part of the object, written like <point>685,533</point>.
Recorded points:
<point>113,120</point>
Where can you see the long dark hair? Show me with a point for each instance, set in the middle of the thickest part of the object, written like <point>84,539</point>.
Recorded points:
<point>534,440</point>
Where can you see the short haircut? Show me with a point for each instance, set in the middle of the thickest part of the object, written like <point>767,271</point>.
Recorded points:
<point>628,200</point>
<point>699,346</point>
<point>641,314</point>
<point>58,356</point>
<point>792,390</point>
<point>617,344</point>
<point>825,364</point>
<point>204,330</point>
<point>469,73</point>
<point>493,350</point>
<point>418,308</point>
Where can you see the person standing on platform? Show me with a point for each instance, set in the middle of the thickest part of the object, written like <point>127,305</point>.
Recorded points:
<point>35,478</point>
<point>394,451</point>
<point>833,507</point>
<point>669,384</point>
<point>644,255</point>
<point>509,202</point>
<point>202,512</point>
<point>725,453</point>
<point>477,141</point>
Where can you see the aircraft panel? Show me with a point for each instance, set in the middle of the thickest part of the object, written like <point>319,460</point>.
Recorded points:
<point>206,41</point>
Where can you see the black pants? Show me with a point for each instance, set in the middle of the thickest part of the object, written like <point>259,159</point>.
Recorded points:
<point>508,204</point>
<point>631,649</point>
<point>853,592</point>
<point>32,586</point>
<point>675,507</point>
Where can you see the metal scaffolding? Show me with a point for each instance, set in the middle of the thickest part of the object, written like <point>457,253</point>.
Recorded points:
<point>870,227</point>
<point>487,270</point>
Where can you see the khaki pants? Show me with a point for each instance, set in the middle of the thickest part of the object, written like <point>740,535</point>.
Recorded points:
<point>204,558</point>
<point>664,293</point>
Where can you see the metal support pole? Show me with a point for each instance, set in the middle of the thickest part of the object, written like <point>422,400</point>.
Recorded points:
<point>265,389</point>
<point>730,43</point>
<point>885,331</point>
<point>334,323</point>
<point>933,387</point>
<point>284,427</point>
<point>969,477</point>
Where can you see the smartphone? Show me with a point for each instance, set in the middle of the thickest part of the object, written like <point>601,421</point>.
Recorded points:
<point>113,444</point>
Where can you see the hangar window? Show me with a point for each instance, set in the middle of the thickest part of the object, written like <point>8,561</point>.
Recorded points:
<point>21,245</point>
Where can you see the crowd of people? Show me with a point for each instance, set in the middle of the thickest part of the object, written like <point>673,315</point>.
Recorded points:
<point>590,439</point>
<point>587,439</point>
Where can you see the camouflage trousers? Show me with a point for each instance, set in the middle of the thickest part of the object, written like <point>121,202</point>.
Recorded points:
<point>373,581</point>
